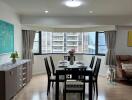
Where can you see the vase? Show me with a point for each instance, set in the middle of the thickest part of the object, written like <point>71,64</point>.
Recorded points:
<point>71,59</point>
<point>13,60</point>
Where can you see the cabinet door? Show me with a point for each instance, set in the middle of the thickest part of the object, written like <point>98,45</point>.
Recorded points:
<point>11,83</point>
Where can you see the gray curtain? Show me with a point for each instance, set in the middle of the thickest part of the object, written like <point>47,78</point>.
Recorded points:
<point>28,39</point>
<point>110,39</point>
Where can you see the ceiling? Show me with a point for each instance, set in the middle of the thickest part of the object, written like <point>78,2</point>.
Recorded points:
<point>57,8</point>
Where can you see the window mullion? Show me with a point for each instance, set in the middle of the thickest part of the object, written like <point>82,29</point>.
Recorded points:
<point>96,43</point>
<point>40,46</point>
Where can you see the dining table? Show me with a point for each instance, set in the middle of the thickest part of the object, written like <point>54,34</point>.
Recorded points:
<point>60,70</point>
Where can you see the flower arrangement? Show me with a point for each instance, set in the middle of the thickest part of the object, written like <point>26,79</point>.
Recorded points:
<point>72,52</point>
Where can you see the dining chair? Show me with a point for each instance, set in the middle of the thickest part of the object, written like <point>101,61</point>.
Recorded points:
<point>74,84</point>
<point>92,62</point>
<point>51,78</point>
<point>52,65</point>
<point>95,75</point>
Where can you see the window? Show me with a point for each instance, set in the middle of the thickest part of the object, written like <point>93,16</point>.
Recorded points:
<point>74,41</point>
<point>89,42</point>
<point>46,42</point>
<point>62,42</point>
<point>36,43</point>
<point>101,43</point>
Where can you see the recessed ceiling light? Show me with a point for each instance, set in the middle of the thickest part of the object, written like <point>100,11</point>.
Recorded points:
<point>46,11</point>
<point>91,12</point>
<point>73,3</point>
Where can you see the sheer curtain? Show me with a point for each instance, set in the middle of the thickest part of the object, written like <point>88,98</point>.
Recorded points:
<point>28,39</point>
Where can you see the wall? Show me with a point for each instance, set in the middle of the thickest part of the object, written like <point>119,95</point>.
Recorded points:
<point>121,41</point>
<point>39,66</point>
<point>59,21</point>
<point>8,14</point>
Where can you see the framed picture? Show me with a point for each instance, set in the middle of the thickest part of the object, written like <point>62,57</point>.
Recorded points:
<point>129,38</point>
<point>6,37</point>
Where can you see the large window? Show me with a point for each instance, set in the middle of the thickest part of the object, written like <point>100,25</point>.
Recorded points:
<point>62,42</point>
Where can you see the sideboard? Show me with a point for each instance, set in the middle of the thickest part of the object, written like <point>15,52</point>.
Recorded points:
<point>13,77</point>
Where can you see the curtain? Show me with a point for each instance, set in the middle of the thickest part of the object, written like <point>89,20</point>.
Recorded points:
<point>110,39</point>
<point>28,39</point>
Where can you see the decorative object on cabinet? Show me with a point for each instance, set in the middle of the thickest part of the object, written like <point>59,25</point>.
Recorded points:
<point>14,55</point>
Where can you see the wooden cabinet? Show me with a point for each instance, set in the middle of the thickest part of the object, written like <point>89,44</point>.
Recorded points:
<point>14,78</point>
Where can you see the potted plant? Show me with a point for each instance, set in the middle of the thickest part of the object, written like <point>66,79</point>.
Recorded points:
<point>14,55</point>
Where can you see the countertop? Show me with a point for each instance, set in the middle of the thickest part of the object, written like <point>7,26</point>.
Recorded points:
<point>9,65</point>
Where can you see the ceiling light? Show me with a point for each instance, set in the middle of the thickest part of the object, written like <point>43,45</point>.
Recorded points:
<point>91,12</point>
<point>46,11</point>
<point>73,3</point>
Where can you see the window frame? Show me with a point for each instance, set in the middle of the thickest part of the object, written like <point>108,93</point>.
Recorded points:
<point>39,53</point>
<point>96,46</point>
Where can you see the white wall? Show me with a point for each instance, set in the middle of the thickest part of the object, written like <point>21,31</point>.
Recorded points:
<point>76,20</point>
<point>39,66</point>
<point>121,41</point>
<point>8,14</point>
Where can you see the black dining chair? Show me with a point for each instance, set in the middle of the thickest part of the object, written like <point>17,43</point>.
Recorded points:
<point>92,62</point>
<point>95,75</point>
<point>52,65</point>
<point>74,84</point>
<point>51,78</point>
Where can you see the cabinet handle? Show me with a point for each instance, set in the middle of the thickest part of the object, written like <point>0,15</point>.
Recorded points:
<point>11,73</point>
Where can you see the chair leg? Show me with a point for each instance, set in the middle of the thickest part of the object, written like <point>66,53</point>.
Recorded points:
<point>80,96</point>
<point>96,88</point>
<point>48,87</point>
<point>52,84</point>
<point>84,96</point>
<point>64,96</point>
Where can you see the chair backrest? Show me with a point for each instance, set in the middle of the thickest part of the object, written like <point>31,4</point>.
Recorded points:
<point>92,62</point>
<point>47,67</point>
<point>52,65</point>
<point>97,67</point>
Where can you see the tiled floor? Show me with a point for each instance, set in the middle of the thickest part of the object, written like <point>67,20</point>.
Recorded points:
<point>36,90</point>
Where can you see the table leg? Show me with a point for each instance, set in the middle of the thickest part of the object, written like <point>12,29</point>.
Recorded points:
<point>57,88</point>
<point>90,87</point>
